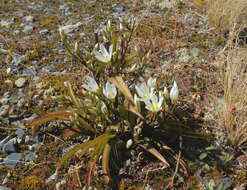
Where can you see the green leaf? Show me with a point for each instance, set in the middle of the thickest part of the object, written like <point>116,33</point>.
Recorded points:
<point>96,144</point>
<point>203,156</point>
<point>105,163</point>
<point>220,187</point>
<point>156,153</point>
<point>210,148</point>
<point>120,84</point>
<point>63,114</point>
<point>85,125</point>
<point>129,104</point>
<point>72,95</point>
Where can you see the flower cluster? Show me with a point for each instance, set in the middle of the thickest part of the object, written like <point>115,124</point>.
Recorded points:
<point>146,93</point>
<point>109,90</point>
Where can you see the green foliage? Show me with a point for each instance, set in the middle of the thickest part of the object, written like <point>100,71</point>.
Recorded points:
<point>210,185</point>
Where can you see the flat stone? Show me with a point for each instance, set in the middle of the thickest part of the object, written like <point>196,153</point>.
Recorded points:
<point>119,9</point>
<point>9,147</point>
<point>29,157</point>
<point>20,82</point>
<point>5,188</point>
<point>12,160</point>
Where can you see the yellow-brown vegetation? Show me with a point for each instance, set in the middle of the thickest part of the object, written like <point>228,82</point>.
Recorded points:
<point>223,14</point>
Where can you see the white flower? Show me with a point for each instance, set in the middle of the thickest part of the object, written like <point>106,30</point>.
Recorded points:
<point>91,85</point>
<point>151,82</point>
<point>129,143</point>
<point>110,91</point>
<point>103,55</point>
<point>174,93</point>
<point>154,104</point>
<point>144,91</point>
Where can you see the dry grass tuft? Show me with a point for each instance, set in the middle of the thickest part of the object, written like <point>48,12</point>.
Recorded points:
<point>222,14</point>
<point>231,110</point>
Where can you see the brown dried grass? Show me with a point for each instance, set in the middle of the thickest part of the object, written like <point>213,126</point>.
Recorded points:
<point>223,14</point>
<point>231,110</point>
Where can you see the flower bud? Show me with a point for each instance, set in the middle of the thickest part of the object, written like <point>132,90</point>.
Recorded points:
<point>174,93</point>
<point>129,143</point>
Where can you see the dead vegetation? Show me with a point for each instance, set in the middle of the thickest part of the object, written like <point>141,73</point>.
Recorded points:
<point>223,14</point>
<point>231,110</point>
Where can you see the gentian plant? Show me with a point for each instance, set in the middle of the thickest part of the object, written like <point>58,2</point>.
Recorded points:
<point>116,113</point>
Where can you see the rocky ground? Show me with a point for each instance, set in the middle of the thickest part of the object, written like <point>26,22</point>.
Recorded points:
<point>34,66</point>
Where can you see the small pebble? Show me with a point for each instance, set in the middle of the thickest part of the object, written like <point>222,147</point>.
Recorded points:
<point>4,110</point>
<point>28,28</point>
<point>29,18</point>
<point>20,82</point>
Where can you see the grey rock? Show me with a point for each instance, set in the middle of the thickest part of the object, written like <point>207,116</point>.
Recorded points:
<point>6,179</point>
<point>119,9</point>
<point>21,103</point>
<point>7,94</point>
<point>52,177</point>
<point>71,26</point>
<point>5,188</point>
<point>12,160</point>
<point>6,23</point>
<point>31,117</point>
<point>29,157</point>
<point>4,110</point>
<point>227,182</point>
<point>18,59</point>
<point>20,82</point>
<point>29,72</point>
<point>47,68</point>
<point>8,70</point>
<point>4,101</point>
<point>27,28</point>
<point>9,147</point>
<point>18,124</point>
<point>29,18</point>
<point>45,31</point>
<point>20,132</point>
<point>183,55</point>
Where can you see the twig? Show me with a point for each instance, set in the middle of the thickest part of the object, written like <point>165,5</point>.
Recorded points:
<point>55,137</point>
<point>178,162</point>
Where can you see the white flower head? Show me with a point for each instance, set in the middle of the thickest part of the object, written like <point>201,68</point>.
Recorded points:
<point>151,82</point>
<point>110,91</point>
<point>103,55</point>
<point>90,85</point>
<point>129,143</point>
<point>174,93</point>
<point>144,91</point>
<point>154,104</point>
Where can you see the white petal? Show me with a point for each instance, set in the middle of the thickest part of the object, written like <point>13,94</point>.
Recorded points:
<point>103,50</point>
<point>91,84</point>
<point>151,82</point>
<point>129,143</point>
<point>174,93</point>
